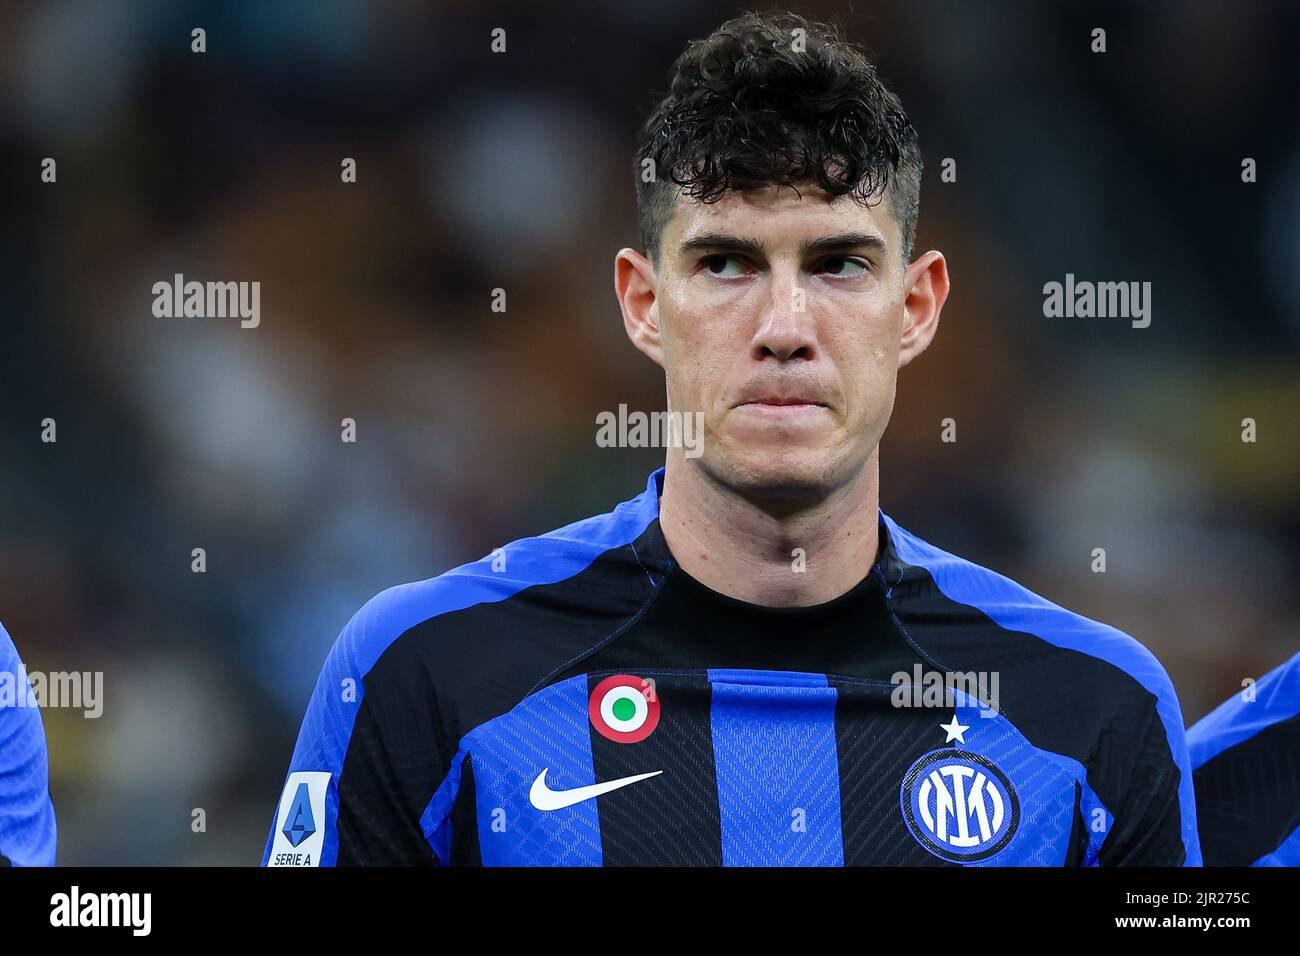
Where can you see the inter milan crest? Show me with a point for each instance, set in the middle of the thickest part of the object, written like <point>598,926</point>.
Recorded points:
<point>624,708</point>
<point>959,805</point>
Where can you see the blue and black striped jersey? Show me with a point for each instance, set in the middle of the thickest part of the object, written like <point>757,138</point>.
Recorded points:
<point>577,699</point>
<point>27,830</point>
<point>1246,768</point>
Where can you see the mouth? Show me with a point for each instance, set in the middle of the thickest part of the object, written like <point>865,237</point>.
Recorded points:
<point>785,410</point>
<point>775,401</point>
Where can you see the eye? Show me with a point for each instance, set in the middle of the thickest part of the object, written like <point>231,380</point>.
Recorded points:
<point>718,265</point>
<point>843,266</point>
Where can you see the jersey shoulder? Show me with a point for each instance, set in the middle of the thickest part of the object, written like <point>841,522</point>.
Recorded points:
<point>495,579</point>
<point>1014,607</point>
<point>473,640</point>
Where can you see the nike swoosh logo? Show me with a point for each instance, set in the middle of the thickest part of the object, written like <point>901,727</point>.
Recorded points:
<point>544,798</point>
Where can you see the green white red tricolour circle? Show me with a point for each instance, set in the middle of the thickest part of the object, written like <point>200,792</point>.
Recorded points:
<point>624,708</point>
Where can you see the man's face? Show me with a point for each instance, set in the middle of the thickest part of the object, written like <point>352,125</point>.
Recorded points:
<point>780,317</point>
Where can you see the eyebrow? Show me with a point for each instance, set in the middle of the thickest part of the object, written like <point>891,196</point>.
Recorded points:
<point>838,243</point>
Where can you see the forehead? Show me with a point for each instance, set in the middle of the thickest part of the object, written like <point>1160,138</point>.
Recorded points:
<point>780,216</point>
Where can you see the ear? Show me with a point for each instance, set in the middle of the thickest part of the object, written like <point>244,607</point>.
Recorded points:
<point>927,290</point>
<point>636,286</point>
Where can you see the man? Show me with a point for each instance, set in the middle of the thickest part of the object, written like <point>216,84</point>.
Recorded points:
<point>707,674</point>
<point>1246,769</point>
<point>27,830</point>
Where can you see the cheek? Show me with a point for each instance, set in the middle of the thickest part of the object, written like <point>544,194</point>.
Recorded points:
<point>698,374</point>
<point>867,360</point>
<point>878,364</point>
<point>701,348</point>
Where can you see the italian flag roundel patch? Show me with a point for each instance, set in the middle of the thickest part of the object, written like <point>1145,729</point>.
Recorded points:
<point>624,708</point>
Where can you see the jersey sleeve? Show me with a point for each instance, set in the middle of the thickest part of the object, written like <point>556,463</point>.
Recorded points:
<point>1154,823</point>
<point>27,830</point>
<point>368,763</point>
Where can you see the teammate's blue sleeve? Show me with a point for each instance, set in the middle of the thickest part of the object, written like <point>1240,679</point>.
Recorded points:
<point>27,831</point>
<point>1246,755</point>
<point>1276,698</point>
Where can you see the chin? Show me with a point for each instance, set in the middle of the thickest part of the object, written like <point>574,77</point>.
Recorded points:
<point>778,473</point>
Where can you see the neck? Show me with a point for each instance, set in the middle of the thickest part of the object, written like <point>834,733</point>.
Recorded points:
<point>745,547</point>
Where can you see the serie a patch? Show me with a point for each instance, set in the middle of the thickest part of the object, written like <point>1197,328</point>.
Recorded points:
<point>300,823</point>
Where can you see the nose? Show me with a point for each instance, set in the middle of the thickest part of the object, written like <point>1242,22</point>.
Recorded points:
<point>786,331</point>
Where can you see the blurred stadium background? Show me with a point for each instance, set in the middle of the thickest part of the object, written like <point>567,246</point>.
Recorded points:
<point>479,171</point>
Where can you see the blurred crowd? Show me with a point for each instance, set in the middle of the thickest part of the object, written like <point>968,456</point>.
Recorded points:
<point>479,170</point>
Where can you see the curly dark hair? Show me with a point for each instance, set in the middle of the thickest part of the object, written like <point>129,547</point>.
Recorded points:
<point>745,110</point>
